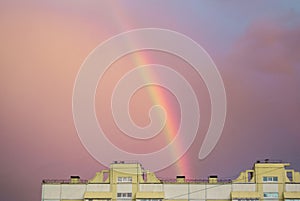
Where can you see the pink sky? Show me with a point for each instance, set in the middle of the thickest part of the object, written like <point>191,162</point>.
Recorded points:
<point>43,44</point>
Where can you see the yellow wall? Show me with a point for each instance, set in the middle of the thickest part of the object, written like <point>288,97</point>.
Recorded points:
<point>242,187</point>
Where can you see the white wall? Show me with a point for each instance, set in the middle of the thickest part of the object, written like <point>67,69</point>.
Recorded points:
<point>197,191</point>
<point>292,187</point>
<point>151,187</point>
<point>98,187</point>
<point>243,187</point>
<point>176,191</point>
<point>51,191</point>
<point>124,188</point>
<point>218,191</point>
<point>54,192</point>
<point>74,191</point>
<point>49,200</point>
<point>270,187</point>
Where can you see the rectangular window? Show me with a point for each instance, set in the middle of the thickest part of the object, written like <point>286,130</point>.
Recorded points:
<point>297,199</point>
<point>124,195</point>
<point>124,179</point>
<point>98,199</point>
<point>149,199</point>
<point>270,179</point>
<point>271,195</point>
<point>248,199</point>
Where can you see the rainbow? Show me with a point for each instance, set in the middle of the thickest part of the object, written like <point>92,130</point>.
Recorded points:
<point>158,97</point>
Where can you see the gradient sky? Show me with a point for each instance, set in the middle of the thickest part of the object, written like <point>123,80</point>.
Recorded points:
<point>255,45</point>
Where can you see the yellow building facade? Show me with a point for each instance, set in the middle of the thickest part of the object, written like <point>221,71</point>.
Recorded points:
<point>270,181</point>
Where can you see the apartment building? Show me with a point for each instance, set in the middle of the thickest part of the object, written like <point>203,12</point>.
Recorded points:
<point>267,180</point>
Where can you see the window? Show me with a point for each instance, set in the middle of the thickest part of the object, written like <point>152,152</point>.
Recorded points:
<point>124,195</point>
<point>124,179</point>
<point>149,199</point>
<point>292,199</point>
<point>248,199</point>
<point>271,195</point>
<point>270,179</point>
<point>97,199</point>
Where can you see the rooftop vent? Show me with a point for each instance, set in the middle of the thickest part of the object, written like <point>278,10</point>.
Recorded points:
<point>212,179</point>
<point>75,179</point>
<point>180,178</point>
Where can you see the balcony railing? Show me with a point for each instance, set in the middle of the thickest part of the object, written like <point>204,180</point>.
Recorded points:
<point>63,181</point>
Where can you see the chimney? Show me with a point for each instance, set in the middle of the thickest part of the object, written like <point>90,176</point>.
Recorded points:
<point>180,179</point>
<point>212,179</point>
<point>75,179</point>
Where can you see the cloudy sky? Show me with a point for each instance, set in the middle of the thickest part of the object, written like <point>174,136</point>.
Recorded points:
<point>255,46</point>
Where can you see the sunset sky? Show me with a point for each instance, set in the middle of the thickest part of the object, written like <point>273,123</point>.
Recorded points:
<point>254,44</point>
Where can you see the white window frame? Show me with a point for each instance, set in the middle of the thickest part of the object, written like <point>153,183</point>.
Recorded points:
<point>270,179</point>
<point>287,199</point>
<point>124,195</point>
<point>124,179</point>
<point>271,195</point>
<point>247,199</point>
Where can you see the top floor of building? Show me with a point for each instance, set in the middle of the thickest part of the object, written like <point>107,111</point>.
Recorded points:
<point>265,171</point>
<point>267,180</point>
